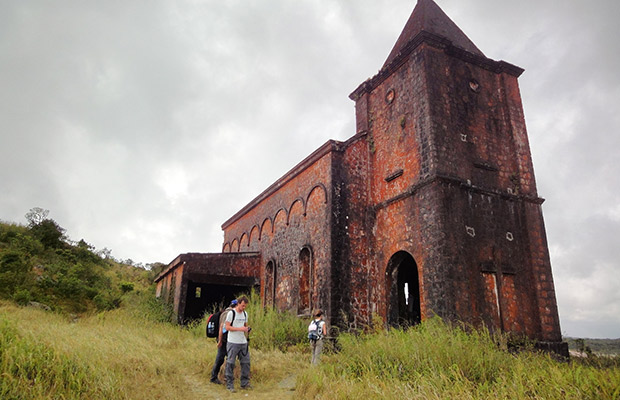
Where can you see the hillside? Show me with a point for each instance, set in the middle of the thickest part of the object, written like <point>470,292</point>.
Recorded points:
<point>40,265</point>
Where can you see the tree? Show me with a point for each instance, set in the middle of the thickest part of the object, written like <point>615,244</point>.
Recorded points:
<point>49,233</point>
<point>36,215</point>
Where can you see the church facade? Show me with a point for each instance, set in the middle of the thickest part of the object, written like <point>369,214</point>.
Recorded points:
<point>430,208</point>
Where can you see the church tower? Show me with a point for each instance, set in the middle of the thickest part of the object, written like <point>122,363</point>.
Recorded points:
<point>456,219</point>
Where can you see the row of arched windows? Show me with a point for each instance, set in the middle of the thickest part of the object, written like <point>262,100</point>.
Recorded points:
<point>281,218</point>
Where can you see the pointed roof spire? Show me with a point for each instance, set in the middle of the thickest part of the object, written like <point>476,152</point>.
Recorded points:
<point>427,16</point>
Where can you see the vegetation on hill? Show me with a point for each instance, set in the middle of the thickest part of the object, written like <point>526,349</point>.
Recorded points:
<point>594,346</point>
<point>39,264</point>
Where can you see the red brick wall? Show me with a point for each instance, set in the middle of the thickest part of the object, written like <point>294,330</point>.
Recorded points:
<point>284,220</point>
<point>451,182</point>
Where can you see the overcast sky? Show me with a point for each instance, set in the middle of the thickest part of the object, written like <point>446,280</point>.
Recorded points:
<point>143,125</point>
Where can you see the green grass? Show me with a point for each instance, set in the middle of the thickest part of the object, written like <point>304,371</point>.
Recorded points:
<point>436,361</point>
<point>129,353</point>
<point>121,354</point>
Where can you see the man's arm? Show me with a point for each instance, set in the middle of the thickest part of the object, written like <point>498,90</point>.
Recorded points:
<point>220,333</point>
<point>231,328</point>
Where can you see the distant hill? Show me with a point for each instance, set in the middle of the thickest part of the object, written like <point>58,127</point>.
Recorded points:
<point>597,346</point>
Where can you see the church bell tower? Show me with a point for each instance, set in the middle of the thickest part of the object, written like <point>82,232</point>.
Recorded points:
<point>451,187</point>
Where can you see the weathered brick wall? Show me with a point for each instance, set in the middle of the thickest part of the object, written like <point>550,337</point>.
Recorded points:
<point>542,278</point>
<point>292,215</point>
<point>352,235</point>
<point>476,128</point>
<point>488,238</point>
<point>452,184</point>
<point>238,265</point>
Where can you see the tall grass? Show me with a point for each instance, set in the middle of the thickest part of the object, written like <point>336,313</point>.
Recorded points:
<point>436,361</point>
<point>129,353</point>
<point>117,355</point>
<point>30,370</point>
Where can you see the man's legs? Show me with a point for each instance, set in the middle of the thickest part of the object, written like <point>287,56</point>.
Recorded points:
<point>219,360</point>
<point>233,350</point>
<point>244,360</point>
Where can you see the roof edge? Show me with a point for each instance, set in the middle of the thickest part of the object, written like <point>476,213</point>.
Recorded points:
<point>181,258</point>
<point>329,146</point>
<point>439,42</point>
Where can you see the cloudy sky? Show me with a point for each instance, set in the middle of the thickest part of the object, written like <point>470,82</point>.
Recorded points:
<point>143,125</point>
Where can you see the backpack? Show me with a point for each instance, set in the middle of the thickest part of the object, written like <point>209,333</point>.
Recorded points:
<point>213,324</point>
<point>314,330</point>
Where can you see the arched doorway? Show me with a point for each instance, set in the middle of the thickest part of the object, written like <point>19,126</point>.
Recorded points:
<point>403,291</point>
<point>270,284</point>
<point>305,281</point>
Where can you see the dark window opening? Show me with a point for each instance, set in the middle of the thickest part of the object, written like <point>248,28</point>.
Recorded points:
<point>205,297</point>
<point>404,291</point>
<point>270,284</point>
<point>305,281</point>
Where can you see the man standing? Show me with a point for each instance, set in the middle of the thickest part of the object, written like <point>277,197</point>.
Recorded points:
<point>237,327</point>
<point>221,344</point>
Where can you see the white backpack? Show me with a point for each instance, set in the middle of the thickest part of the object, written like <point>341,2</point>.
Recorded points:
<point>314,330</point>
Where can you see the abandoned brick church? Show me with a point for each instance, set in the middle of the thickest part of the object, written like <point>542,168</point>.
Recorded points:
<point>430,208</point>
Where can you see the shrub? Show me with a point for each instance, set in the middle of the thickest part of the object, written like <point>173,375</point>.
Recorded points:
<point>126,287</point>
<point>272,329</point>
<point>22,297</point>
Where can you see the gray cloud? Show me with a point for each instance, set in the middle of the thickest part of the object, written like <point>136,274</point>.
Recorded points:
<point>143,126</point>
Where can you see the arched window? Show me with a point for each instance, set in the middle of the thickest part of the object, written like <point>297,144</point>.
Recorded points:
<point>270,284</point>
<point>403,290</point>
<point>305,281</point>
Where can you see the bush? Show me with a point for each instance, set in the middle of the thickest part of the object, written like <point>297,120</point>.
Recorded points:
<point>126,287</point>
<point>272,329</point>
<point>22,297</point>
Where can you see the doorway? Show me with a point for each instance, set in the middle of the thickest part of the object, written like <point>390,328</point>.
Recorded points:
<point>403,291</point>
<point>270,284</point>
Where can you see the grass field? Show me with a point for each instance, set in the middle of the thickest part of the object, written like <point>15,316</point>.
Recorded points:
<point>122,354</point>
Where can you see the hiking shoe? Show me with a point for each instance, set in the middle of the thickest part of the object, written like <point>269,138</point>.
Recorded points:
<point>216,381</point>
<point>231,389</point>
<point>246,387</point>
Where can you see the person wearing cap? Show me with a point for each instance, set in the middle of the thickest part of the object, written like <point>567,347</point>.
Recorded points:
<point>222,337</point>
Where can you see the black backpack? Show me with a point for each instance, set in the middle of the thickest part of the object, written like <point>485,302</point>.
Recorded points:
<point>213,324</point>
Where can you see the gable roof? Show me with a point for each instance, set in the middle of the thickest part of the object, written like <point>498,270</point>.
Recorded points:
<point>428,17</point>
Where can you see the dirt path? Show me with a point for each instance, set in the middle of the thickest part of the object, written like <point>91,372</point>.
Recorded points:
<point>198,389</point>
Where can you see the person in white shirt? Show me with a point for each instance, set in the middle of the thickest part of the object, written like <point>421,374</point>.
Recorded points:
<point>237,346</point>
<point>316,346</point>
